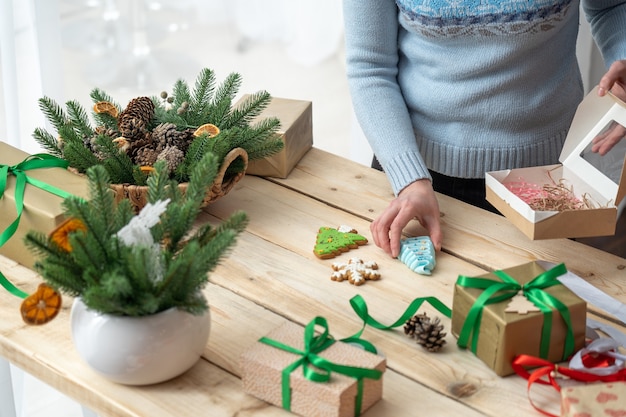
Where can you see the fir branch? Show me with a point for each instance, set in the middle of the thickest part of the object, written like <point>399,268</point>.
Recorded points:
<point>69,135</point>
<point>104,119</point>
<point>78,119</point>
<point>201,97</point>
<point>247,110</point>
<point>157,182</point>
<point>48,142</point>
<point>118,164</point>
<point>98,95</point>
<point>79,157</point>
<point>53,112</point>
<point>223,98</point>
<point>181,93</point>
<point>265,149</point>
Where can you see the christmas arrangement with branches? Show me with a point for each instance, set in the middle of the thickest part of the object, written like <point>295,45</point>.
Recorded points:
<point>129,264</point>
<point>178,127</point>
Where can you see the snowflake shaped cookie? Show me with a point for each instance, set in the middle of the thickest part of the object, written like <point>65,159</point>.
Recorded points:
<point>355,271</point>
<point>418,253</point>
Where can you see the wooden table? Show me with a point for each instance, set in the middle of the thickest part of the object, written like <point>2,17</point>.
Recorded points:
<point>272,276</point>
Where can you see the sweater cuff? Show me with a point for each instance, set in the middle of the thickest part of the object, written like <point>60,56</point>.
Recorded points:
<point>404,170</point>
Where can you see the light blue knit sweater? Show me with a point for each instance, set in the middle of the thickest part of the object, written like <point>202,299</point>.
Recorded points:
<point>469,86</point>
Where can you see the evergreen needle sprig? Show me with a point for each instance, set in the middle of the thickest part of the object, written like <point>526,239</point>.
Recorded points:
<point>128,141</point>
<point>88,257</point>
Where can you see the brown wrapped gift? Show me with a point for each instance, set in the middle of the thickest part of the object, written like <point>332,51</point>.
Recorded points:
<point>262,366</point>
<point>296,129</point>
<point>42,210</point>
<point>504,335</point>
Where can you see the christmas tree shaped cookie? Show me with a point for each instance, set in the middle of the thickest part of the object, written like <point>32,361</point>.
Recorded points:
<point>332,242</point>
<point>418,253</point>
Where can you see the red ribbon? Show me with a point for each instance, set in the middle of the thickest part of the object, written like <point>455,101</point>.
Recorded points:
<point>547,372</point>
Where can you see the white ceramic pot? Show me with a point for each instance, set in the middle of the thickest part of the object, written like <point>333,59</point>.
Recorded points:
<point>139,350</point>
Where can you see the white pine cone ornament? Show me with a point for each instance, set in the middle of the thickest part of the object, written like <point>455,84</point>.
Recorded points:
<point>426,331</point>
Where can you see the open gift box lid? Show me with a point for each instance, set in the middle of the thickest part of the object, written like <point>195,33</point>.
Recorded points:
<point>600,180</point>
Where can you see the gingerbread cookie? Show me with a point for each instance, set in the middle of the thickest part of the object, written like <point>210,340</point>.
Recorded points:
<point>418,253</point>
<point>355,271</point>
<point>331,242</point>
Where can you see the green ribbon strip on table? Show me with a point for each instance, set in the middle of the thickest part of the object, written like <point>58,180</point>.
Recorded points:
<point>499,291</point>
<point>316,368</point>
<point>36,161</point>
<point>360,308</point>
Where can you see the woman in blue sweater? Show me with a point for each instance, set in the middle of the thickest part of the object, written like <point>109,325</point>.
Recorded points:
<point>446,90</point>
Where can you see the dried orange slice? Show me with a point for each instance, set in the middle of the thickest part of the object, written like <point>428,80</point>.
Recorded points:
<point>106,107</point>
<point>42,306</point>
<point>209,129</point>
<point>146,169</point>
<point>61,234</point>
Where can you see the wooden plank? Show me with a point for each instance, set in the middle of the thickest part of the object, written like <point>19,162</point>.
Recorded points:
<point>294,283</point>
<point>207,389</point>
<point>482,238</point>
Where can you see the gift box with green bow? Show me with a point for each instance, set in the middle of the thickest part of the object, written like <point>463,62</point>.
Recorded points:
<point>32,188</point>
<point>310,373</point>
<point>481,322</point>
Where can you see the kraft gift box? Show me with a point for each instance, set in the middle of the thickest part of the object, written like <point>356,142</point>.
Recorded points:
<point>296,130</point>
<point>597,179</point>
<point>42,210</point>
<point>504,335</point>
<point>262,366</point>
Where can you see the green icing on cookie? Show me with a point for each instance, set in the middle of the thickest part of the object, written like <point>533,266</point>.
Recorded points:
<point>332,242</point>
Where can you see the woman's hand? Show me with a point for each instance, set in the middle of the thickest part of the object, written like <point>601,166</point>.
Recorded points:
<point>415,201</point>
<point>614,81</point>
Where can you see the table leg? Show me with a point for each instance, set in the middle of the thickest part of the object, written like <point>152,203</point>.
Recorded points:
<point>7,401</point>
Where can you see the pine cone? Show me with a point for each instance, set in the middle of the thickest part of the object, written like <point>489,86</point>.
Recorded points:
<point>173,156</point>
<point>131,128</point>
<point>141,108</point>
<point>140,142</point>
<point>133,120</point>
<point>146,156</point>
<point>427,332</point>
<point>166,134</point>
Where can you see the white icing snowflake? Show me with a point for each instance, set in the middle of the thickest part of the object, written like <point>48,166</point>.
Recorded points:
<point>355,271</point>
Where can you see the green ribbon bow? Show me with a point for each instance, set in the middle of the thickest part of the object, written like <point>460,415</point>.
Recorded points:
<point>360,308</point>
<point>316,368</point>
<point>36,161</point>
<point>496,292</point>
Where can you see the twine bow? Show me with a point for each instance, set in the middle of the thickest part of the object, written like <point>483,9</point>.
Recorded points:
<point>496,292</point>
<point>316,368</point>
<point>36,161</point>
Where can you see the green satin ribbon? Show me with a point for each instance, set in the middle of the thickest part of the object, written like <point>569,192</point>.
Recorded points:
<point>497,292</point>
<point>36,161</point>
<point>316,368</point>
<point>360,308</point>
